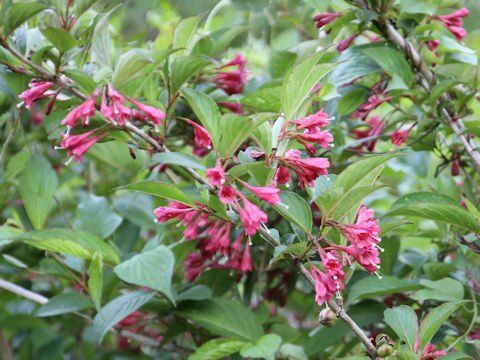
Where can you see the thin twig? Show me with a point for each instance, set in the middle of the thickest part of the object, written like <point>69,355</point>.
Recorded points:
<point>6,143</point>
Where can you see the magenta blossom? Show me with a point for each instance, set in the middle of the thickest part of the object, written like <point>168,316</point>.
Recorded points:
<point>324,286</point>
<point>268,194</point>
<point>307,170</point>
<point>345,43</point>
<point>227,194</point>
<point>454,23</point>
<point>251,216</point>
<point>399,137</point>
<point>325,19</point>
<point>154,114</point>
<point>375,129</point>
<point>77,145</point>
<point>312,122</point>
<point>85,111</point>
<point>36,92</point>
<point>202,137</point>
<point>216,176</point>
<point>232,81</point>
<point>428,353</point>
<point>246,263</point>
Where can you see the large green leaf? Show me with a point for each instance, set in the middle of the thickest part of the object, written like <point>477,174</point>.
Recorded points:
<point>100,50</point>
<point>176,158</point>
<point>216,349</point>
<point>118,309</point>
<point>37,187</point>
<point>435,207</point>
<point>434,319</point>
<point>372,286</point>
<point>161,189</point>
<point>235,129</point>
<point>184,36</point>
<point>71,242</point>
<point>95,279</point>
<point>295,209</point>
<point>447,289</point>
<point>351,101</point>
<point>403,320</point>
<point>128,67</point>
<point>60,38</point>
<point>391,61</point>
<point>83,5</point>
<point>183,68</point>
<point>223,317</point>
<point>95,214</point>
<point>64,303</point>
<point>351,200</point>
<point>18,13</point>
<point>264,348</point>
<point>151,268</point>
<point>299,82</point>
<point>207,112</point>
<point>264,99</point>
<point>117,155</point>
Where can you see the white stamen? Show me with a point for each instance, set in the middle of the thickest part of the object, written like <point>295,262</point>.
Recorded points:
<point>57,147</point>
<point>209,147</point>
<point>250,242</point>
<point>327,178</point>
<point>332,145</point>
<point>378,275</point>
<point>69,161</point>
<point>20,104</point>
<point>155,220</point>
<point>68,130</point>
<point>287,185</point>
<point>222,181</point>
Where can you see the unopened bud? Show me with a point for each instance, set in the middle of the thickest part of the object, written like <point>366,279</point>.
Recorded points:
<point>327,318</point>
<point>385,350</point>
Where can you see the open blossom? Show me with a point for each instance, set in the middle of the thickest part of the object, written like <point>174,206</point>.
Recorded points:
<point>36,92</point>
<point>454,23</point>
<point>216,176</point>
<point>312,132</point>
<point>312,122</point>
<point>85,111</point>
<point>77,145</point>
<point>154,114</point>
<point>375,129</point>
<point>268,194</point>
<point>232,81</point>
<point>173,210</point>
<point>428,353</point>
<point>246,263</point>
<point>333,267</point>
<point>399,137</point>
<point>325,288</point>
<point>202,137</point>
<point>307,170</point>
<point>251,216</point>
<point>114,108</point>
<point>325,18</point>
<point>227,194</point>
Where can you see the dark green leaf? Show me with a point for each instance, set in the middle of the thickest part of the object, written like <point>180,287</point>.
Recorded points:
<point>151,268</point>
<point>63,304</point>
<point>442,290</point>
<point>37,187</point>
<point>351,101</point>
<point>295,209</point>
<point>182,69</point>
<point>18,13</point>
<point>216,349</point>
<point>160,189</point>
<point>403,320</point>
<point>391,60</point>
<point>60,38</point>
<point>118,309</point>
<point>95,279</point>
<point>176,158</point>
<point>264,99</point>
<point>128,67</point>
<point>265,347</point>
<point>437,271</point>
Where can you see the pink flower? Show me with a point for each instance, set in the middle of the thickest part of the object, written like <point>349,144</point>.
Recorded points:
<point>372,103</point>
<point>175,209</point>
<point>268,194</point>
<point>324,287</point>
<point>194,265</point>
<point>36,118</point>
<point>202,137</point>
<point>376,128</point>
<point>77,145</point>
<point>307,170</point>
<point>219,240</point>
<point>235,251</point>
<point>333,267</point>
<point>432,45</point>
<point>282,175</point>
<point>428,353</point>
<point>36,92</point>
<point>232,106</point>
<point>238,60</point>
<point>154,114</point>
<point>227,194</point>
<point>246,263</point>
<point>85,111</point>
<point>454,23</point>
<point>325,18</point>
<point>313,121</point>
<point>216,176</point>
<point>399,137</point>
<point>322,138</point>
<point>251,217</point>
<point>345,43</point>
<point>232,81</point>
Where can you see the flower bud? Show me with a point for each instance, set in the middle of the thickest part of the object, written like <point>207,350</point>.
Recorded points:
<point>385,350</point>
<point>327,318</point>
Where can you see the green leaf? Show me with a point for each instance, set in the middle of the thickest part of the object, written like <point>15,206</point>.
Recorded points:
<point>223,317</point>
<point>440,88</point>
<point>37,187</point>
<point>417,7</point>
<point>234,129</point>
<point>407,355</point>
<point>280,62</point>
<point>184,36</point>
<point>161,189</point>
<point>216,349</point>
<point>437,271</point>
<point>128,68</point>
<point>207,112</point>
<point>351,101</point>
<point>292,352</point>
<point>176,158</point>
<point>71,242</point>
<point>60,38</point>
<point>432,322</point>
<point>95,279</point>
<point>63,304</point>
<point>95,214</point>
<point>455,356</point>
<point>352,200</point>
<point>263,136</point>
<point>264,348</point>
<point>15,164</point>
<point>295,209</point>
<point>442,290</point>
<point>299,82</point>
<point>264,99</point>
<point>183,68</point>
<point>321,184</point>
<point>196,292</point>
<point>403,320</point>
<point>118,309</point>
<point>435,207</point>
<point>18,13</point>
<point>391,61</point>
<point>82,6</point>
<point>82,79</point>
<point>116,154</point>
<point>151,268</point>
<point>100,50</point>
<point>372,286</point>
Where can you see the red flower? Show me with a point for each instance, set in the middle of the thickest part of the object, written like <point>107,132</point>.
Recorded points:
<point>432,45</point>
<point>454,23</point>
<point>345,43</point>
<point>268,194</point>
<point>307,170</point>
<point>36,92</point>
<point>77,145</point>
<point>372,103</point>
<point>428,353</point>
<point>175,209</point>
<point>85,111</point>
<point>202,137</point>
<point>251,217</point>
<point>227,194</point>
<point>216,176</point>
<point>246,263</point>
<point>324,286</point>
<point>232,81</point>
<point>325,18</point>
<point>455,164</point>
<point>312,122</point>
<point>376,128</point>
<point>154,114</point>
<point>399,137</point>
<point>194,265</point>
<point>282,175</point>
<point>232,106</point>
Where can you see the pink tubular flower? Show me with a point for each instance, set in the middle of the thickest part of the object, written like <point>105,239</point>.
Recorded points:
<point>454,23</point>
<point>268,194</point>
<point>325,18</point>
<point>312,122</point>
<point>235,251</point>
<point>219,240</point>
<point>399,137</point>
<point>216,176</point>
<point>312,133</point>
<point>85,111</point>
<point>227,194</point>
<point>432,45</point>
<point>376,128</point>
<point>322,138</point>
<point>173,210</point>
<point>333,267</point>
<point>372,103</point>
<point>154,114</point>
<point>324,287</point>
<point>194,265</point>
<point>232,106</point>
<point>307,170</point>
<point>282,175</point>
<point>77,145</point>
<point>202,137</point>
<point>36,92</point>
<point>251,216</point>
<point>345,43</point>
<point>246,263</point>
<point>428,353</point>
<point>232,81</point>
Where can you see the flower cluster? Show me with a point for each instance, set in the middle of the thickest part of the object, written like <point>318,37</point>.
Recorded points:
<point>311,131</point>
<point>399,137</point>
<point>331,281</point>
<point>37,91</point>
<point>454,22</point>
<point>372,103</point>
<point>375,128</point>
<point>232,81</point>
